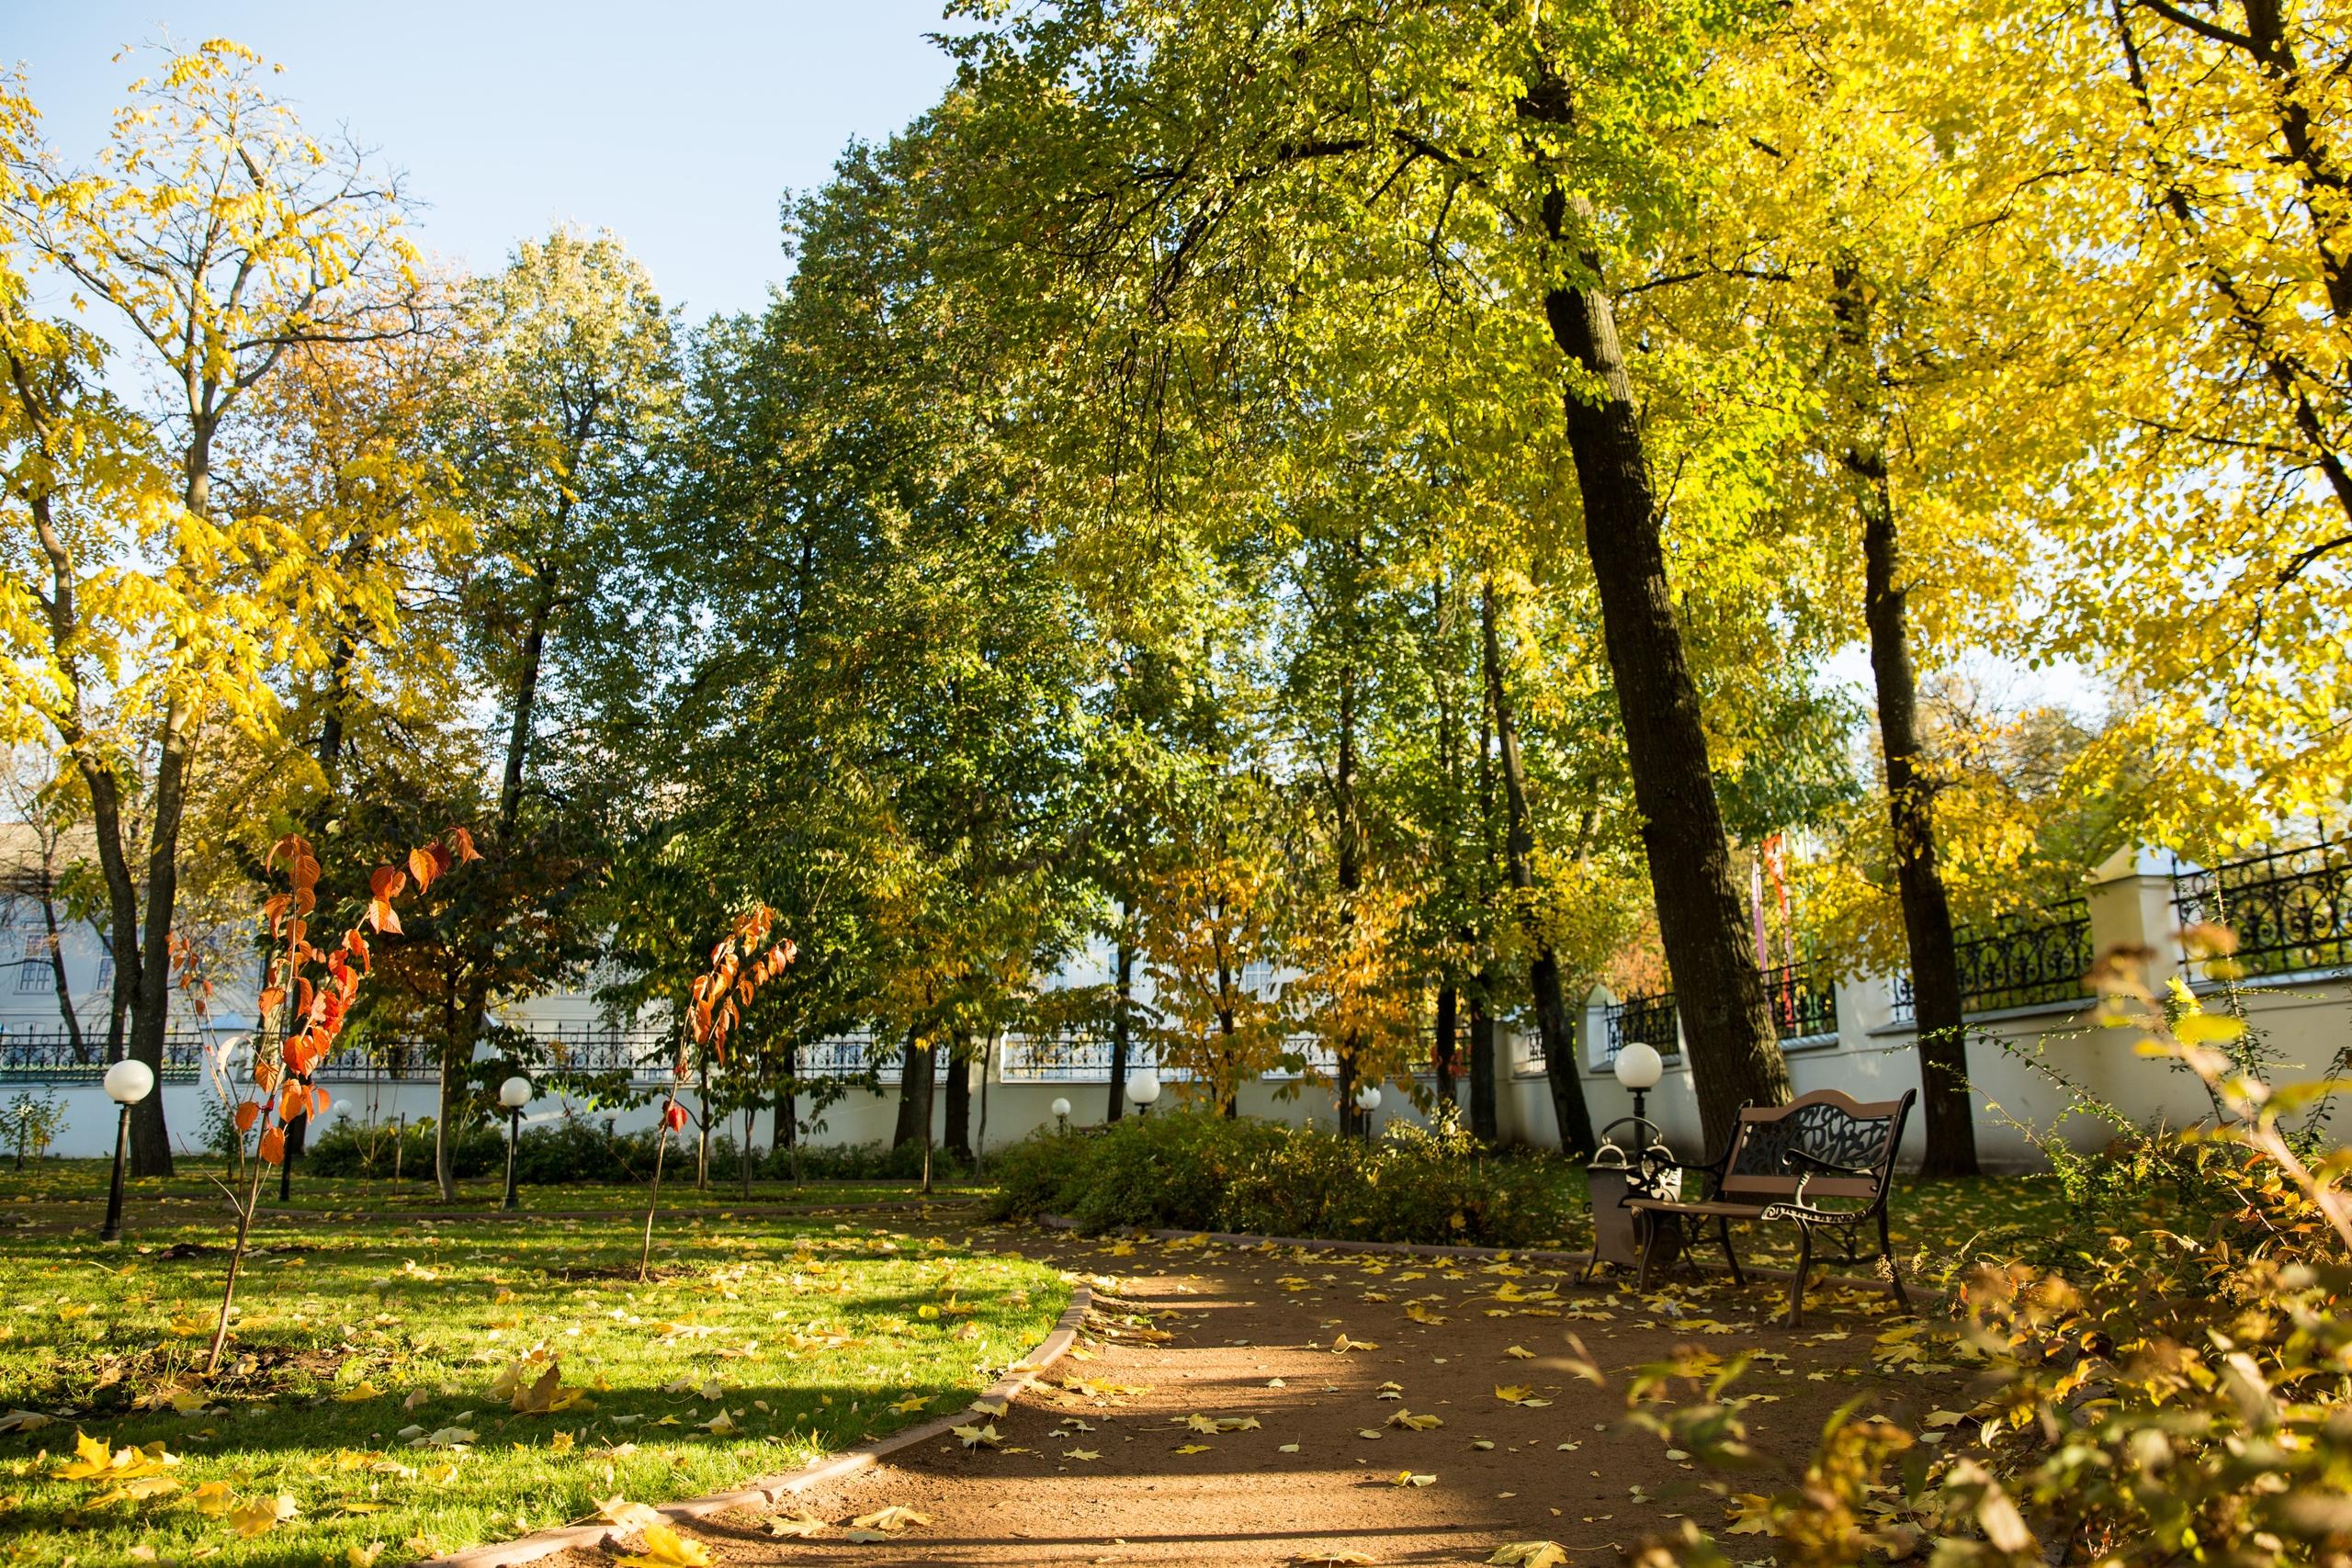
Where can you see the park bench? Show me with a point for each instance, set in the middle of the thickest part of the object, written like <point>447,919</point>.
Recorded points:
<point>1794,1162</point>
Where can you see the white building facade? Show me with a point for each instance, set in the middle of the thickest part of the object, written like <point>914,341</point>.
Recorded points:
<point>2023,981</point>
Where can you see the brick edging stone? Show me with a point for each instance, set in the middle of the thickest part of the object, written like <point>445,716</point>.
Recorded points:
<point>766,1491</point>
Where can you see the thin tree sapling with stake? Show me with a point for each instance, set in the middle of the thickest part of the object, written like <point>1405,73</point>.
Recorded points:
<point>307,1014</point>
<point>738,970</point>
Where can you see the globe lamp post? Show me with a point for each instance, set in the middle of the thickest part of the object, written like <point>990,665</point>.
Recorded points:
<point>126,1083</point>
<point>513,1094</point>
<point>1143,1087</point>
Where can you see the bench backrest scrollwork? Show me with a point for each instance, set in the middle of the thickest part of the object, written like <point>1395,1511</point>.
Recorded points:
<point>1827,1124</point>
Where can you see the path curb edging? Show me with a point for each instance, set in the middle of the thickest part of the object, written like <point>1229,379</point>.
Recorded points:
<point>766,1491</point>
<point>1919,1292</point>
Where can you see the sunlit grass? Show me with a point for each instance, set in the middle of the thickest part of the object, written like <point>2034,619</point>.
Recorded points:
<point>360,1379</point>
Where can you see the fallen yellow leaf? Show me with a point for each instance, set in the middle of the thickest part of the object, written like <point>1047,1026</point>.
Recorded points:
<point>892,1519</point>
<point>665,1548</point>
<point>798,1523</point>
<point>1529,1554</point>
<point>258,1516</point>
<point>628,1516</point>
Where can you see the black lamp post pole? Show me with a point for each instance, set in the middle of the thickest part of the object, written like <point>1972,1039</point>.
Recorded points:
<point>513,1131</point>
<point>112,1229</point>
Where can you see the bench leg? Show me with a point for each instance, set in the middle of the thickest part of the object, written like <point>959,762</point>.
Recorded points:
<point>1893,1270</point>
<point>1805,1267</point>
<point>1723,1229</point>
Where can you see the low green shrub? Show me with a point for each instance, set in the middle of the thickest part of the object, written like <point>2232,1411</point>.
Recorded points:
<point>1195,1171</point>
<point>353,1148</point>
<point>578,1149</point>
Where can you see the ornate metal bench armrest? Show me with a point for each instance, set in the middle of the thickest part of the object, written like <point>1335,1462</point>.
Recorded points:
<point>1811,1166</point>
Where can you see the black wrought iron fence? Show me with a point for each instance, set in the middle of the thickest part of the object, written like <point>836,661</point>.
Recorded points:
<point>1803,999</point>
<point>47,1055</point>
<point>1649,1019</point>
<point>2019,961</point>
<point>2291,908</point>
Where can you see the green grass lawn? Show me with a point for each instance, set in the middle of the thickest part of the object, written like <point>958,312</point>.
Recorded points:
<point>365,1379</point>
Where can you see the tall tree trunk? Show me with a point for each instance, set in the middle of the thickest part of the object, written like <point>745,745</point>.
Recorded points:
<point>56,949</point>
<point>1486,1125</point>
<point>1951,1122</point>
<point>150,1015</point>
<point>1735,1052</point>
<point>958,1139</point>
<point>1449,996</point>
<point>1351,881</point>
<point>1120,1015</point>
<point>456,1052</point>
<point>93,763</point>
<point>1552,1025</point>
<point>914,1094</point>
<point>527,697</point>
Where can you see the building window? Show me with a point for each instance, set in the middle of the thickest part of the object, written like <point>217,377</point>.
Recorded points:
<point>32,970</point>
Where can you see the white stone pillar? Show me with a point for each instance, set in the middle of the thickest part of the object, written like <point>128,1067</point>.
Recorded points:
<point>2131,901</point>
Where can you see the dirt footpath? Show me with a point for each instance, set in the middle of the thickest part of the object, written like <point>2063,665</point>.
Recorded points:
<point>1237,1405</point>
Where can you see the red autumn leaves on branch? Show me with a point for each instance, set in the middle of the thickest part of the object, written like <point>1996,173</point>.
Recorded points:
<point>738,970</point>
<point>310,989</point>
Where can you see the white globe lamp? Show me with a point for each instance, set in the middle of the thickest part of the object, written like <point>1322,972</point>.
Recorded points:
<point>1143,1087</point>
<point>1638,1067</point>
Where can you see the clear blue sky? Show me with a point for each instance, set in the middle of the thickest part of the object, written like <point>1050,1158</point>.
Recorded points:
<point>676,124</point>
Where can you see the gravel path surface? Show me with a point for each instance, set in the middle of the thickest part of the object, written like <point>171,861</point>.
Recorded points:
<point>1252,1406</point>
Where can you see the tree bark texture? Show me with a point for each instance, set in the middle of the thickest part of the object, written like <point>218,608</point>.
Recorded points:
<point>914,1094</point>
<point>1735,1052</point>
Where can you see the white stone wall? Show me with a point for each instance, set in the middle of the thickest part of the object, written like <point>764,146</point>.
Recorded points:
<point>2307,1019</point>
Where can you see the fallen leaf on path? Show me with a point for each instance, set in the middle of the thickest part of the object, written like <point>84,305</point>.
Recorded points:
<point>893,1518</point>
<point>799,1525</point>
<point>1515,1394</point>
<point>1082,1455</point>
<point>1529,1554</point>
<point>1407,1478</point>
<point>1194,1448</point>
<point>1518,1352</point>
<point>1416,1423</point>
<point>665,1548</point>
<point>974,1437</point>
<point>1341,1344</point>
<point>1331,1560</point>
